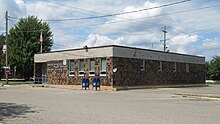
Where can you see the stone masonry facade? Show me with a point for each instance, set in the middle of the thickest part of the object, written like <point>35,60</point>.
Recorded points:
<point>130,74</point>
<point>58,74</point>
<point>134,67</point>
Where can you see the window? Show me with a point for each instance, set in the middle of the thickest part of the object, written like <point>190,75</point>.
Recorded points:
<point>174,67</point>
<point>92,67</point>
<point>142,65</point>
<point>81,67</point>
<point>44,68</point>
<point>102,67</point>
<point>160,67</point>
<point>71,68</point>
<point>187,67</point>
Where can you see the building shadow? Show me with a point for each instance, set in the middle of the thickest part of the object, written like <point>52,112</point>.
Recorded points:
<point>12,110</point>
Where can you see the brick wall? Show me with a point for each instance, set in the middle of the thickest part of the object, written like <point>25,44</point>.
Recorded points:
<point>58,73</point>
<point>129,73</point>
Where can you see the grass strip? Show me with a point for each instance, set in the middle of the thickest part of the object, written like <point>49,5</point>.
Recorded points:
<point>198,95</point>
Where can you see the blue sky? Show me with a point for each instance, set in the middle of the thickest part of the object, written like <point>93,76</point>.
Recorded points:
<point>195,31</point>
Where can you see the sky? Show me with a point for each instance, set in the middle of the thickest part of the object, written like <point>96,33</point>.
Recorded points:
<point>193,27</point>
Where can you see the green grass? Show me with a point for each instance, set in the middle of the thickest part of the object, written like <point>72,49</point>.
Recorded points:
<point>198,95</point>
<point>212,82</point>
<point>16,82</point>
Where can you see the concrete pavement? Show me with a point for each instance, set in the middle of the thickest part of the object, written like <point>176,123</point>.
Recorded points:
<point>37,105</point>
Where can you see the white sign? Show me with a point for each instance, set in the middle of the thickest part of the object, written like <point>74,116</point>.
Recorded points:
<point>6,67</point>
<point>4,49</point>
<point>64,62</point>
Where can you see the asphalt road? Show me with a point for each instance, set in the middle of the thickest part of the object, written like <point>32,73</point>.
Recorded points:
<point>35,105</point>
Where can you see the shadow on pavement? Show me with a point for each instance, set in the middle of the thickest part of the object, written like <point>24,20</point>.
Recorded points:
<point>12,110</point>
<point>2,88</point>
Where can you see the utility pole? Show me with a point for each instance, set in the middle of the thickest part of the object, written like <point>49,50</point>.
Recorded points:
<point>41,41</point>
<point>164,38</point>
<point>6,40</point>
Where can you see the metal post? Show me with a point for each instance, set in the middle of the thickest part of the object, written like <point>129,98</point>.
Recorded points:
<point>15,72</point>
<point>6,40</point>
<point>41,41</point>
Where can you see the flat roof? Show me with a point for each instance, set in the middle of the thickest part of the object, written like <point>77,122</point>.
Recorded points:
<point>117,51</point>
<point>136,48</point>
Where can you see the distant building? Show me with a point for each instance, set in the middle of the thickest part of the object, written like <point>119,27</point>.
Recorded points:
<point>120,67</point>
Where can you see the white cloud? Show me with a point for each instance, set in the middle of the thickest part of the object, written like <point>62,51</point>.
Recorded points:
<point>15,8</point>
<point>211,44</point>
<point>99,40</point>
<point>184,39</point>
<point>182,43</point>
<point>209,48</point>
<point>142,32</point>
<point>141,14</point>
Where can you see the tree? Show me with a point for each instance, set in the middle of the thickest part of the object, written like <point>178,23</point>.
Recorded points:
<point>2,57</point>
<point>24,42</point>
<point>213,68</point>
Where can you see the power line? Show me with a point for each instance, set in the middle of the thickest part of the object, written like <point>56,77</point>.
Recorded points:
<point>207,7</point>
<point>185,11</point>
<point>77,8</point>
<point>73,7</point>
<point>61,45</point>
<point>117,14</point>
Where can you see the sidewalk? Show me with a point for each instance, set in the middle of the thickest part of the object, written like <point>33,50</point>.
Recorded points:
<point>75,87</point>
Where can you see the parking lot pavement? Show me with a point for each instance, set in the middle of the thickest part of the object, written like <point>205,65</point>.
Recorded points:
<point>37,105</point>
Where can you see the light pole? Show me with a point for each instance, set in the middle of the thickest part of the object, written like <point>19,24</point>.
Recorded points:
<point>6,40</point>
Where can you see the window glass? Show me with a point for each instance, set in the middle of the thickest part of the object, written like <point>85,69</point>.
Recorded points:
<point>142,65</point>
<point>103,64</point>
<point>92,67</point>
<point>103,67</point>
<point>44,68</point>
<point>71,67</point>
<point>174,67</point>
<point>81,67</point>
<point>187,67</point>
<point>160,67</point>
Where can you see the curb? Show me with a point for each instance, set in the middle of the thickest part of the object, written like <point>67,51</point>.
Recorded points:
<point>199,95</point>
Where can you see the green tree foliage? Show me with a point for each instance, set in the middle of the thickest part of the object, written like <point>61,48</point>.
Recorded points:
<point>2,57</point>
<point>213,68</point>
<point>24,42</point>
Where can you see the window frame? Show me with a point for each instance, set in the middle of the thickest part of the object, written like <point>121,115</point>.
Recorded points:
<point>143,65</point>
<point>160,67</point>
<point>71,72</point>
<point>174,67</point>
<point>187,67</point>
<point>91,72</point>
<point>44,68</point>
<point>81,72</point>
<point>103,72</point>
